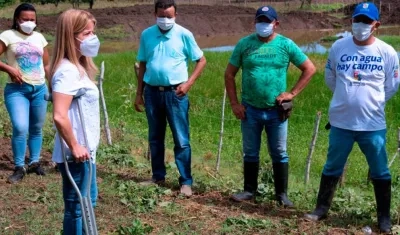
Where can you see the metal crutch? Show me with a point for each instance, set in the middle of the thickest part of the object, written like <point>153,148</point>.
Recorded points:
<point>88,217</point>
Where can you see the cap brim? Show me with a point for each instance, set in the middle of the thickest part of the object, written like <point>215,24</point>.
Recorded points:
<point>268,16</point>
<point>363,14</point>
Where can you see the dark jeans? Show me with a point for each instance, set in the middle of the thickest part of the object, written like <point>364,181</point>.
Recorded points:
<point>162,106</point>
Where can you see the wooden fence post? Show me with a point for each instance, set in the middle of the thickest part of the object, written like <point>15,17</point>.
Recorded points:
<point>343,176</point>
<point>312,146</point>
<point>221,133</point>
<point>103,102</point>
<point>398,148</point>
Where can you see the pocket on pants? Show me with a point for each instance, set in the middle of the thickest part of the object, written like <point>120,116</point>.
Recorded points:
<point>180,98</point>
<point>10,88</point>
<point>181,101</point>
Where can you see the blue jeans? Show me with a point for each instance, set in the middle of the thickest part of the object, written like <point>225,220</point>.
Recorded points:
<point>73,223</point>
<point>27,109</point>
<point>163,106</point>
<point>371,143</point>
<point>255,122</point>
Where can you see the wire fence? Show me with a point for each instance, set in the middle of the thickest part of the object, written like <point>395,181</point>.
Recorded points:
<point>128,126</point>
<point>209,142</point>
<point>209,124</point>
<point>223,146</point>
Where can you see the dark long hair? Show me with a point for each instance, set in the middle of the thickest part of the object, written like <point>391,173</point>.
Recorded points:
<point>18,10</point>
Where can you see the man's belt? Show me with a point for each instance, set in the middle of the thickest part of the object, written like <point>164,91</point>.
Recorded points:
<point>163,88</point>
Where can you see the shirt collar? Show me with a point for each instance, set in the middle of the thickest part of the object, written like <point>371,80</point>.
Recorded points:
<point>167,34</point>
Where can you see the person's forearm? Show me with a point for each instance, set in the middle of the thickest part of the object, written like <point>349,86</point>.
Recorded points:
<point>390,88</point>
<point>304,79</point>
<point>64,129</point>
<point>198,69</point>
<point>331,83</point>
<point>230,86</point>
<point>140,85</point>
<point>47,72</point>
<point>48,78</point>
<point>4,67</point>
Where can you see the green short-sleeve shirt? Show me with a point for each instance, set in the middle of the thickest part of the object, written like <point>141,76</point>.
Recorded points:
<point>264,67</point>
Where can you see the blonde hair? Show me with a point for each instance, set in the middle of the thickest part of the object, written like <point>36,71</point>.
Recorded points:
<point>69,24</point>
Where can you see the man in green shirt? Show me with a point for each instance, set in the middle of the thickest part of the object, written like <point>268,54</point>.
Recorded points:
<point>264,58</point>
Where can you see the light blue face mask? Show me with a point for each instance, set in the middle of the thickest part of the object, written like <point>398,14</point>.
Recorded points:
<point>264,29</point>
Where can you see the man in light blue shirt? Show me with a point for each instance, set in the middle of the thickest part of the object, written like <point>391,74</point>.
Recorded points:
<point>163,83</point>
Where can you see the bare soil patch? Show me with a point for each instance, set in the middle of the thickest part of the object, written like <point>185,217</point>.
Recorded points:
<point>388,12</point>
<point>7,161</point>
<point>214,20</point>
<point>202,20</point>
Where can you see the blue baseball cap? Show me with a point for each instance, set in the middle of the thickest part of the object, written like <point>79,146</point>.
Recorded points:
<point>368,9</point>
<point>267,11</point>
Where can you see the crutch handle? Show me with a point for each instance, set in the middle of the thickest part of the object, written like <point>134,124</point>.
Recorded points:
<point>69,156</point>
<point>81,92</point>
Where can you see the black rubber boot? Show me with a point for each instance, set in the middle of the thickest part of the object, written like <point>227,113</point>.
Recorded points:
<point>35,168</point>
<point>327,189</point>
<point>281,176</point>
<point>383,192</point>
<point>18,175</point>
<point>250,182</point>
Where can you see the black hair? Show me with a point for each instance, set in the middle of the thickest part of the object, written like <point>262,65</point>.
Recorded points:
<point>164,4</point>
<point>18,10</point>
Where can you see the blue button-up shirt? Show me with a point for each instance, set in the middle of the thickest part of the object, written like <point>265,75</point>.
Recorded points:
<point>166,55</point>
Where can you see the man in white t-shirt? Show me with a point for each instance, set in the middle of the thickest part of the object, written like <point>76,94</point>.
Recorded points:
<point>362,72</point>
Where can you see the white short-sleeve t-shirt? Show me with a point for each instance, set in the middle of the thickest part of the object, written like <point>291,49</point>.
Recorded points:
<point>25,52</point>
<point>67,80</point>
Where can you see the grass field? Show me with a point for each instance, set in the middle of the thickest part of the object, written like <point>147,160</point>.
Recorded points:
<point>391,40</point>
<point>127,208</point>
<point>35,205</point>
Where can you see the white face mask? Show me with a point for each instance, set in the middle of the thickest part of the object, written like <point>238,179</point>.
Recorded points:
<point>27,27</point>
<point>90,46</point>
<point>264,29</point>
<point>165,23</point>
<point>361,31</point>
